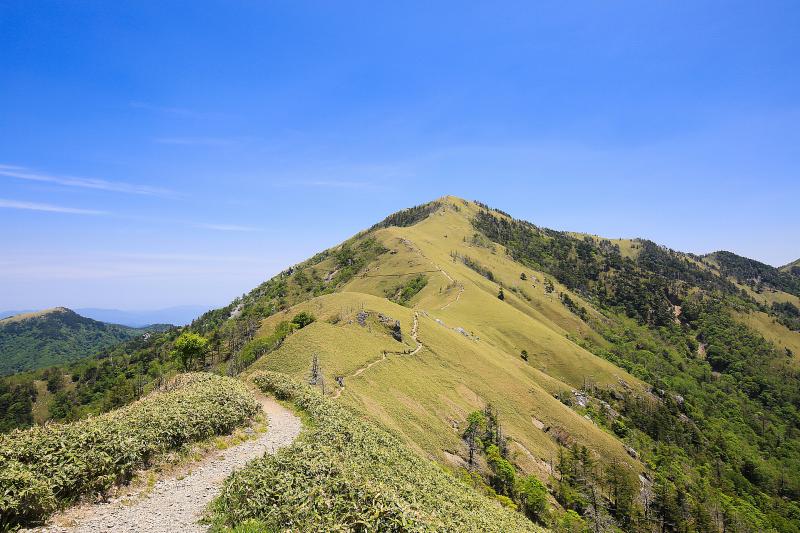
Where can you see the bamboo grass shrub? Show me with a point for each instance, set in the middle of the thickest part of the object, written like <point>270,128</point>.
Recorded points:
<point>48,467</point>
<point>347,474</point>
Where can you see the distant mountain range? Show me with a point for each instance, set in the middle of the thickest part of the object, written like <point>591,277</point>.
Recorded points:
<point>178,315</point>
<point>55,336</point>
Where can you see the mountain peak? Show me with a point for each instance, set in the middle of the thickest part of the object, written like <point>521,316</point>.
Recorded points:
<point>38,314</point>
<point>793,267</point>
<point>54,336</point>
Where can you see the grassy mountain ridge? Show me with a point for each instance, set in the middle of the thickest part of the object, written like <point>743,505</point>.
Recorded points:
<point>792,268</point>
<point>177,315</point>
<point>627,308</point>
<point>345,474</point>
<point>647,388</point>
<point>55,336</point>
<point>754,273</point>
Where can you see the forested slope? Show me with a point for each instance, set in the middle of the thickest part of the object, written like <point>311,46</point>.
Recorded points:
<point>585,382</point>
<point>55,336</point>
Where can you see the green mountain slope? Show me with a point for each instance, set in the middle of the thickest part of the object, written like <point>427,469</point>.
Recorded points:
<point>792,268</point>
<point>634,341</point>
<point>645,388</point>
<point>54,336</point>
<point>754,273</point>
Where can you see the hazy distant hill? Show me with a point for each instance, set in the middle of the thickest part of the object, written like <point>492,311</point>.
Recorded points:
<point>54,336</point>
<point>178,315</point>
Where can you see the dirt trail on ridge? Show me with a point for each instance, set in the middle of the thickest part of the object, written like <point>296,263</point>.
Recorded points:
<point>414,248</point>
<point>176,504</point>
<point>420,346</point>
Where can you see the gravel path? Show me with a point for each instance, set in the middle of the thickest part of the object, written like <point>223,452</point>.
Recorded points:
<point>176,504</point>
<point>414,330</point>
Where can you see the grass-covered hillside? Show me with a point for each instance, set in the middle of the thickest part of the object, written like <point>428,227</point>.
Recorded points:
<point>46,468</point>
<point>584,382</point>
<point>792,268</point>
<point>757,275</point>
<point>622,347</point>
<point>346,474</point>
<point>55,336</point>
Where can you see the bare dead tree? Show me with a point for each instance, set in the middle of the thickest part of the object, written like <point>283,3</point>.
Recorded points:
<point>316,373</point>
<point>472,442</point>
<point>139,384</point>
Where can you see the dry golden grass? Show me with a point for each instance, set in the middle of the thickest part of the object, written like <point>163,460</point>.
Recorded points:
<point>775,332</point>
<point>781,336</point>
<point>471,346</point>
<point>34,314</point>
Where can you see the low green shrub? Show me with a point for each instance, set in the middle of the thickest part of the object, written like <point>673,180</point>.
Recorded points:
<point>261,346</point>
<point>23,493</point>
<point>47,467</point>
<point>404,292</point>
<point>347,474</point>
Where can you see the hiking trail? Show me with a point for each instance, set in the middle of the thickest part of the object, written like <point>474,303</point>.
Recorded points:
<point>414,330</point>
<point>177,503</point>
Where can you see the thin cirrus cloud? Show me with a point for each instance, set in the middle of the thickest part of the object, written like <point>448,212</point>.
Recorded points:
<point>193,258</point>
<point>226,227</point>
<point>32,206</point>
<point>329,184</point>
<point>50,208</point>
<point>196,141</point>
<point>23,173</point>
<point>178,111</point>
<point>103,266</point>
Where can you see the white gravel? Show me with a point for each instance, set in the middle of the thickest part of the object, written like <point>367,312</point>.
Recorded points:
<point>177,504</point>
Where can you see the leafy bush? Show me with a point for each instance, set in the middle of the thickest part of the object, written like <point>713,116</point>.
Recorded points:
<point>346,474</point>
<point>302,319</point>
<point>504,474</point>
<point>16,402</point>
<point>24,497</point>
<point>45,467</point>
<point>403,292</point>
<point>261,346</point>
<point>532,495</point>
<point>190,347</point>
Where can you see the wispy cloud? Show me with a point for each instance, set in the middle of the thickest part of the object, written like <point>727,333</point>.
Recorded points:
<point>95,265</point>
<point>178,111</point>
<point>30,206</point>
<point>163,109</point>
<point>226,227</point>
<point>190,257</point>
<point>330,184</point>
<point>365,176</point>
<point>23,173</point>
<point>196,141</point>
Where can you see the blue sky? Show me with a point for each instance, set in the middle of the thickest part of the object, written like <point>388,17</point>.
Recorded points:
<point>164,153</point>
